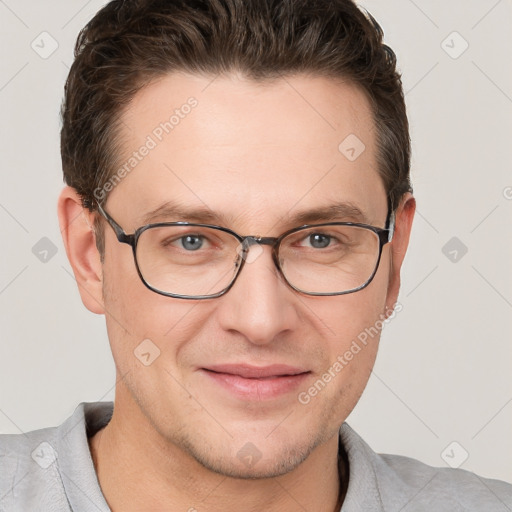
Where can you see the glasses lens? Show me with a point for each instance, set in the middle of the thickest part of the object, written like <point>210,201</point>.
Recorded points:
<point>198,261</point>
<point>329,259</point>
<point>187,260</point>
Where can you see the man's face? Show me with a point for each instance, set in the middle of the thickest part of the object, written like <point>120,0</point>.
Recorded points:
<point>255,155</point>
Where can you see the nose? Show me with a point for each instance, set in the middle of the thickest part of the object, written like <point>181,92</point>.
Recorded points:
<point>259,305</point>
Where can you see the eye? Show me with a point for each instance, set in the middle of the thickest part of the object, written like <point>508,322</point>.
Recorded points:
<point>319,240</point>
<point>191,242</point>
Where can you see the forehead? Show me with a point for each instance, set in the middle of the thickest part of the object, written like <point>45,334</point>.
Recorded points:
<point>255,152</point>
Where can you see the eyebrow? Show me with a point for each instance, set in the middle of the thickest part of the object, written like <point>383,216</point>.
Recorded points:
<point>175,212</point>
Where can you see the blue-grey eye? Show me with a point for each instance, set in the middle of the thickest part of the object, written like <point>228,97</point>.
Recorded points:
<point>191,242</point>
<point>319,241</point>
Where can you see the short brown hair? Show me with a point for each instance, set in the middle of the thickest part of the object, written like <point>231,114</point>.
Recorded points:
<point>129,43</point>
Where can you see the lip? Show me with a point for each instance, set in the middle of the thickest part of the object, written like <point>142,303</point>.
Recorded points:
<point>256,382</point>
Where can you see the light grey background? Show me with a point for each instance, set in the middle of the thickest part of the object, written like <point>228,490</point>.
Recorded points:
<point>444,371</point>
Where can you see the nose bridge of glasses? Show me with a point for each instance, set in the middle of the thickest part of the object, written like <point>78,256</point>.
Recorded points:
<point>259,240</point>
<point>250,240</point>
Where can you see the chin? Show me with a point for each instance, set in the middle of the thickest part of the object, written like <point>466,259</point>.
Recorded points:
<point>250,461</point>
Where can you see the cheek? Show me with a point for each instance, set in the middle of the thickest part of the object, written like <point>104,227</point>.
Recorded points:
<point>135,314</point>
<point>349,317</point>
<point>348,358</point>
<point>351,325</point>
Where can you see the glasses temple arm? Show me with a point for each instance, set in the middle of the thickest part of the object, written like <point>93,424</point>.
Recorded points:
<point>119,231</point>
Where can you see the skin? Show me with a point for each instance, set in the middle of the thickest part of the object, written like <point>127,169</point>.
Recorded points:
<point>256,153</point>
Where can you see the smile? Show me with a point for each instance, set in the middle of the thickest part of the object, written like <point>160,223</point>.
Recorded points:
<point>256,383</point>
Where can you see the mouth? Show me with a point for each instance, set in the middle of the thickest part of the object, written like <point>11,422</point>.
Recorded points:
<point>256,382</point>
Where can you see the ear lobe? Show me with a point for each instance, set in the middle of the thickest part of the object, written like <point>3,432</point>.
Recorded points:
<point>76,226</point>
<point>403,224</point>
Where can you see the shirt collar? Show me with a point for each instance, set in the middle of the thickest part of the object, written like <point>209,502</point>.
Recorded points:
<point>84,492</point>
<point>76,467</point>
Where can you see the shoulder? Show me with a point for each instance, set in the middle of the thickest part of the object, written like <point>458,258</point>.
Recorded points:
<point>453,489</point>
<point>51,469</point>
<point>406,484</point>
<point>29,478</point>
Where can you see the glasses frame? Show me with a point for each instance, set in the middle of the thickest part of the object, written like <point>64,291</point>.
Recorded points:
<point>385,236</point>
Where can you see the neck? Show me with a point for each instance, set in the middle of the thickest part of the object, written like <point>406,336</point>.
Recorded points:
<point>140,471</point>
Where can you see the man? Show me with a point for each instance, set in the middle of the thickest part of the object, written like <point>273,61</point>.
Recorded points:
<point>238,207</point>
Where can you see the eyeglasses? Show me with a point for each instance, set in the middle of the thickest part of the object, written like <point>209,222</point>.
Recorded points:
<point>202,261</point>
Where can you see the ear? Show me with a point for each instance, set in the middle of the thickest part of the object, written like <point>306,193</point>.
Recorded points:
<point>403,224</point>
<point>76,226</point>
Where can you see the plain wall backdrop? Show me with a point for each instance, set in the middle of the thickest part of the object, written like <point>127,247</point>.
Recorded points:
<point>441,390</point>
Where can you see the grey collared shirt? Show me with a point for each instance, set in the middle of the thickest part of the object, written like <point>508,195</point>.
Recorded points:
<point>51,470</point>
